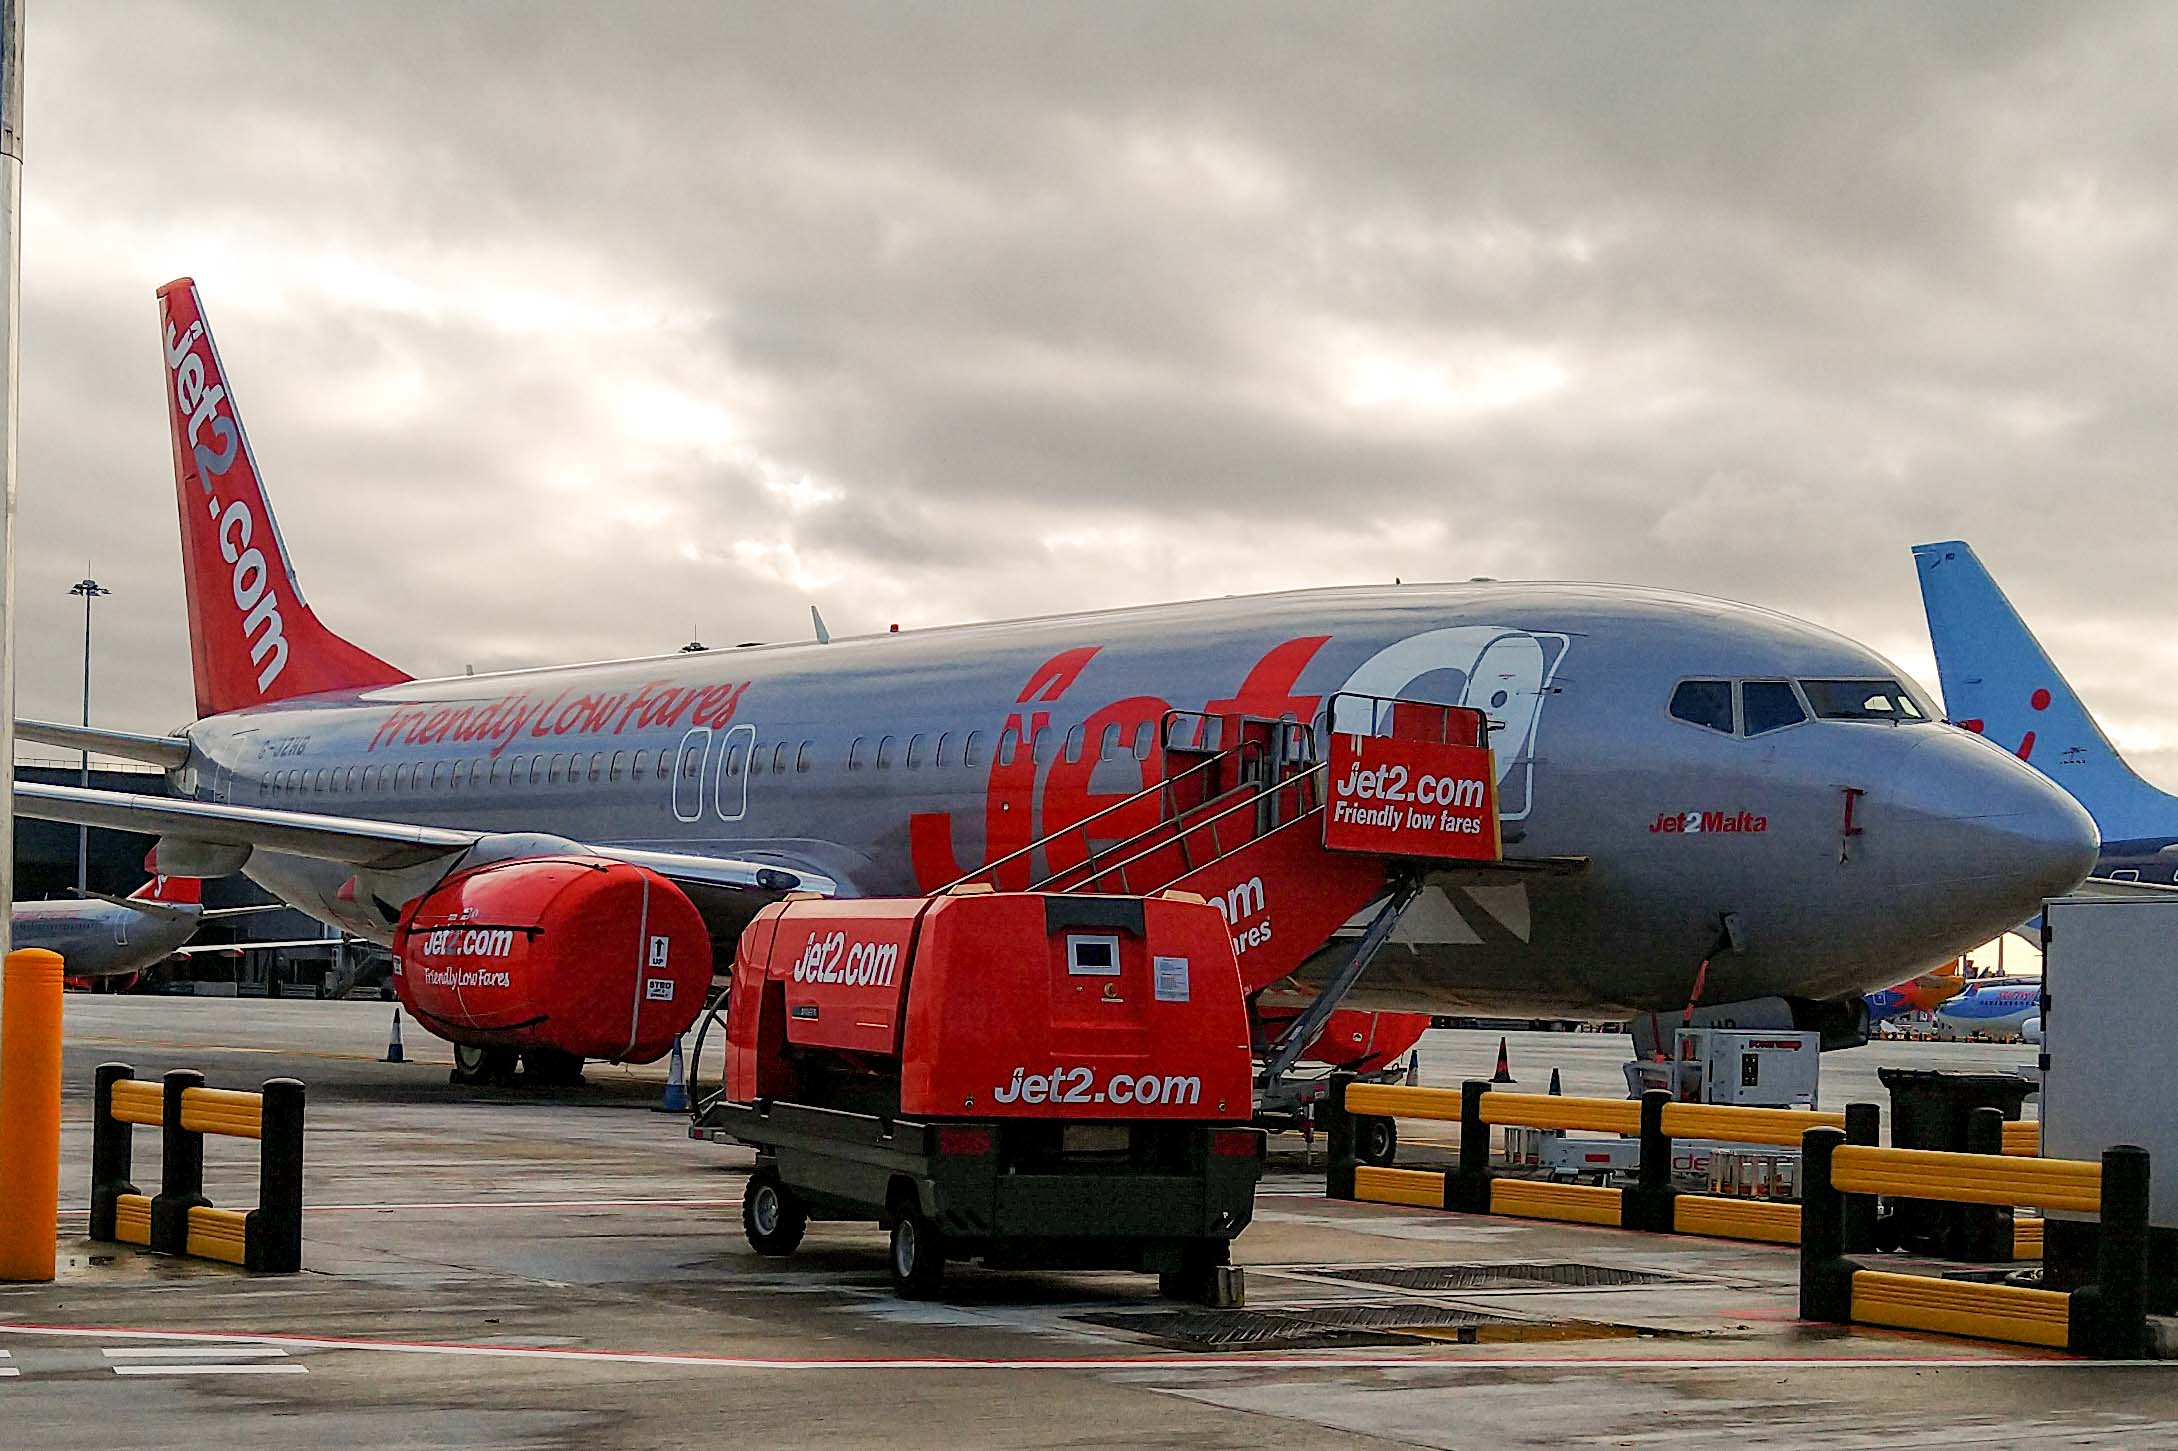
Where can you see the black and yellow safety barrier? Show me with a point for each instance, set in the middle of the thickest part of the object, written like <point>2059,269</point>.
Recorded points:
<point>2107,1318</point>
<point>1650,1203</point>
<point>179,1219</point>
<point>2023,1138</point>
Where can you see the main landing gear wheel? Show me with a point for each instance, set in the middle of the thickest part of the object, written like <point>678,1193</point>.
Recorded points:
<point>550,1068</point>
<point>473,1064</point>
<point>917,1260</point>
<point>1376,1139</point>
<point>773,1219</point>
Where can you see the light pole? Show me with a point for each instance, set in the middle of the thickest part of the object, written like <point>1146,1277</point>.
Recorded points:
<point>90,589</point>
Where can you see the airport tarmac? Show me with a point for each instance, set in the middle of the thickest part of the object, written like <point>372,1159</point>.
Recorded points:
<point>507,1268</point>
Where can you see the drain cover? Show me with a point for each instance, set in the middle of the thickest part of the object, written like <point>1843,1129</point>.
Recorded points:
<point>1316,1327</point>
<point>1436,1279</point>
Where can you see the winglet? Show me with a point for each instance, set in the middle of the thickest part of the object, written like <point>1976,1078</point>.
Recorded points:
<point>252,637</point>
<point>824,636</point>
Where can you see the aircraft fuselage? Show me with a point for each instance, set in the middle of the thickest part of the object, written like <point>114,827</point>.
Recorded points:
<point>896,763</point>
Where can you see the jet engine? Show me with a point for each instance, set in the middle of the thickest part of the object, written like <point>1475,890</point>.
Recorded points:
<point>576,956</point>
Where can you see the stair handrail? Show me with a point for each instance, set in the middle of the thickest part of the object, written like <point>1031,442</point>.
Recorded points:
<point>1250,799</point>
<point>1163,784</point>
<point>1157,837</point>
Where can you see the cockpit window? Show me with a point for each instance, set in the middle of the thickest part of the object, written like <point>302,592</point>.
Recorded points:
<point>1768,705</point>
<point>1704,703</point>
<point>1861,700</point>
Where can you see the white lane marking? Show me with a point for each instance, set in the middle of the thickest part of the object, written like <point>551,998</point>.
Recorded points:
<point>7,1371</point>
<point>1461,1359</point>
<point>220,1357</point>
<point>253,1367</point>
<point>192,1352</point>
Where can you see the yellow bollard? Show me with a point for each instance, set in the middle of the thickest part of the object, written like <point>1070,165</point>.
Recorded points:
<point>30,1113</point>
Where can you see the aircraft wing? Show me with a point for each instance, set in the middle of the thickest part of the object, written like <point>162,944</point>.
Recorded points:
<point>162,911</point>
<point>360,842</point>
<point>170,752</point>
<point>346,839</point>
<point>195,949</point>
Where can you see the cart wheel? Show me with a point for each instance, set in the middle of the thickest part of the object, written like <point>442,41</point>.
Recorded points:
<point>473,1064</point>
<point>550,1068</point>
<point>773,1219</point>
<point>1197,1279</point>
<point>918,1254</point>
<point>1376,1139</point>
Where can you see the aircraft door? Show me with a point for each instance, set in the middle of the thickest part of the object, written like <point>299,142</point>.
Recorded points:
<point>736,755</point>
<point>689,764</point>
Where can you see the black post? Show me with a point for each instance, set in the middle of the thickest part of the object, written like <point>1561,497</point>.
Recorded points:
<point>1985,1230</point>
<point>1338,1140</point>
<point>1648,1203</point>
<point>1826,1275</point>
<point>181,1168</point>
<point>272,1235</point>
<point>2109,1319</point>
<point>1863,1125</point>
<point>1467,1188</point>
<point>113,1145</point>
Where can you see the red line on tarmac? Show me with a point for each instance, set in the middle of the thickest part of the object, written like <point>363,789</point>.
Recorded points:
<point>735,1203</point>
<point>1231,1361</point>
<point>529,1204</point>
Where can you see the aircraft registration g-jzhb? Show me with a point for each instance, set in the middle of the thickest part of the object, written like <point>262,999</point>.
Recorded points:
<point>1743,789</point>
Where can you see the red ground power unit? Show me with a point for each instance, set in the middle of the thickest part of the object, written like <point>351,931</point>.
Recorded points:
<point>1024,1079</point>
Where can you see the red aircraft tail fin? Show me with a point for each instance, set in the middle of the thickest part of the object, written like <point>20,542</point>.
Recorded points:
<point>179,890</point>
<point>252,638</point>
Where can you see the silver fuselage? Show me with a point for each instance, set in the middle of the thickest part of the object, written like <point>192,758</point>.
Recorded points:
<point>1955,839</point>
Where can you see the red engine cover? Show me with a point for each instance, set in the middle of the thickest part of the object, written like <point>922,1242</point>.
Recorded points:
<point>599,959</point>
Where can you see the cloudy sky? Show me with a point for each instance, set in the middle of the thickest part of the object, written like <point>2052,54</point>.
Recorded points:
<point>563,331</point>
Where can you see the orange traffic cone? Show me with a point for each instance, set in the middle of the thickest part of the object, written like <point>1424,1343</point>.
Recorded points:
<point>1504,1072</point>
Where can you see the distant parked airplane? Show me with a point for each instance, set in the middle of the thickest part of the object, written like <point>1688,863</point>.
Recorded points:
<point>1923,994</point>
<point>2003,1008</point>
<point>102,936</point>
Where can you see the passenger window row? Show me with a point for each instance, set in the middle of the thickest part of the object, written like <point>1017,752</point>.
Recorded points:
<point>920,751</point>
<point>523,769</point>
<point>779,758</point>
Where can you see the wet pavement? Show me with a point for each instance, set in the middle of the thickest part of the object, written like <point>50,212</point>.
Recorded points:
<point>518,1269</point>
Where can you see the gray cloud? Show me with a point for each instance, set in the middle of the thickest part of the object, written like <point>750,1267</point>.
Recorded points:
<point>561,331</point>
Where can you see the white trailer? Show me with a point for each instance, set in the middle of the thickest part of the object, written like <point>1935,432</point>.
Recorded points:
<point>2109,1025</point>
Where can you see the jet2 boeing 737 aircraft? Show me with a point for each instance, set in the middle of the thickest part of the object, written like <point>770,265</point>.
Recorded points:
<point>561,856</point>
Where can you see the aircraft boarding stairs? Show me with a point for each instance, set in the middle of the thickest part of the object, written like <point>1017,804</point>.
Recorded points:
<point>1242,816</point>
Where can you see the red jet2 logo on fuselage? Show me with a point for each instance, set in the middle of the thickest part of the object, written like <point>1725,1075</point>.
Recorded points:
<point>1010,797</point>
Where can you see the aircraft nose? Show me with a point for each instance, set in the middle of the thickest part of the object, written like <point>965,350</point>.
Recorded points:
<point>1994,834</point>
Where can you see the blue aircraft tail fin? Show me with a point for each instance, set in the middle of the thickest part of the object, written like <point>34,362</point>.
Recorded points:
<point>1998,680</point>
